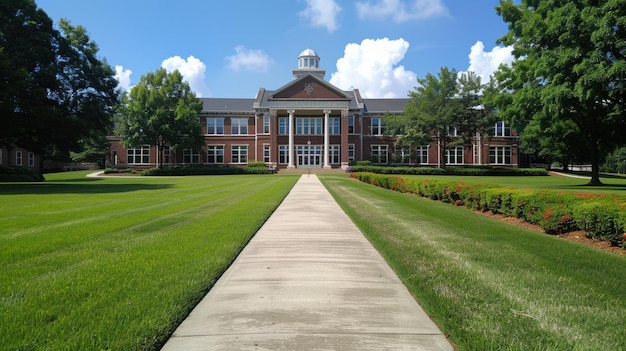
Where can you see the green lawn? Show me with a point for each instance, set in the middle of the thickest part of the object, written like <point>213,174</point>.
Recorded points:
<point>117,263</point>
<point>490,285</point>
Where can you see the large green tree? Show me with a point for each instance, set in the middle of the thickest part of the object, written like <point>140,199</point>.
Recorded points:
<point>570,68</point>
<point>161,110</point>
<point>447,107</point>
<point>55,91</point>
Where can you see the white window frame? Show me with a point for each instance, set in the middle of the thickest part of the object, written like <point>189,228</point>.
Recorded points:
<point>334,154</point>
<point>283,154</point>
<point>266,124</point>
<point>239,126</point>
<point>405,154</point>
<point>266,153</point>
<point>215,125</point>
<point>350,124</point>
<point>376,126</point>
<point>381,152</point>
<point>421,153</point>
<point>500,155</point>
<point>455,155</point>
<point>31,159</point>
<point>141,154</point>
<point>334,127</point>
<point>283,125</point>
<point>190,156</point>
<point>309,126</point>
<point>351,152</point>
<point>18,158</point>
<point>215,154</point>
<point>502,130</point>
<point>239,154</point>
<point>453,131</point>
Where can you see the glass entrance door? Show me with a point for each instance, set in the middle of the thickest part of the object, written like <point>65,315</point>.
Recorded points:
<point>309,156</point>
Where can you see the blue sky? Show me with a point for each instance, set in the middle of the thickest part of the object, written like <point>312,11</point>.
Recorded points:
<point>232,48</point>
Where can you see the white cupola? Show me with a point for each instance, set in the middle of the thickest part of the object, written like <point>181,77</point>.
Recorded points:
<point>308,63</point>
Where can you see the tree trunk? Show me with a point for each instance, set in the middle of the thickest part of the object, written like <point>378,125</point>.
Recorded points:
<point>595,168</point>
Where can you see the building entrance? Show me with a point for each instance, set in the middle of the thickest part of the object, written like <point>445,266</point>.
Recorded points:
<point>309,156</point>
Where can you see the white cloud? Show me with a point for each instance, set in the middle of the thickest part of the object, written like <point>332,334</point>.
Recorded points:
<point>123,77</point>
<point>485,63</point>
<point>322,13</point>
<point>400,11</point>
<point>192,71</point>
<point>372,67</point>
<point>250,60</point>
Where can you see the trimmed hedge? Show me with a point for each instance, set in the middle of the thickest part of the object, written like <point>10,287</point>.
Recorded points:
<point>602,216</point>
<point>465,171</point>
<point>191,170</point>
<point>19,174</point>
<point>251,168</point>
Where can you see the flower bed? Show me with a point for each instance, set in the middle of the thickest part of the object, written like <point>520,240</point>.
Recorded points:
<point>601,216</point>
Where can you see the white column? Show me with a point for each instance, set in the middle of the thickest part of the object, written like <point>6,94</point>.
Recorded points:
<point>326,138</point>
<point>291,146</point>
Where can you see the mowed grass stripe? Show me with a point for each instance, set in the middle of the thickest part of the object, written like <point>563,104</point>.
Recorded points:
<point>127,282</point>
<point>490,285</point>
<point>66,207</point>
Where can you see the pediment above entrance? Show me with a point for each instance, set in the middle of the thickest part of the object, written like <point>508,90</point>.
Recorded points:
<point>309,88</point>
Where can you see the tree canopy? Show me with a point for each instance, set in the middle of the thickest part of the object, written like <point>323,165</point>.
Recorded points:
<point>567,83</point>
<point>446,107</point>
<point>55,91</point>
<point>161,110</point>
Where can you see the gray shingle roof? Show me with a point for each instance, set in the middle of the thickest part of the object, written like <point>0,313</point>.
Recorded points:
<point>385,105</point>
<point>227,104</point>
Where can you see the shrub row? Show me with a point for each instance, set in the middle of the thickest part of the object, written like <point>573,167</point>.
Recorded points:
<point>251,168</point>
<point>602,216</point>
<point>465,171</point>
<point>19,174</point>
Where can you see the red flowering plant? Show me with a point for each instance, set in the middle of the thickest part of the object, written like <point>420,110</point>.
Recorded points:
<point>557,221</point>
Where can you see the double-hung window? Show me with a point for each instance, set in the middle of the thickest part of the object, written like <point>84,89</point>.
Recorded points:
<point>138,155</point>
<point>334,127</point>
<point>502,130</point>
<point>333,154</point>
<point>191,156</point>
<point>31,159</point>
<point>239,126</point>
<point>215,154</point>
<point>266,124</point>
<point>266,153</point>
<point>500,155</point>
<point>422,154</point>
<point>379,154</point>
<point>215,126</point>
<point>351,125</point>
<point>377,126</point>
<point>283,125</point>
<point>18,158</point>
<point>283,154</point>
<point>239,153</point>
<point>454,155</point>
<point>309,126</point>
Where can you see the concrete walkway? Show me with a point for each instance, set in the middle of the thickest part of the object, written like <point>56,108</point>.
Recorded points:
<point>308,280</point>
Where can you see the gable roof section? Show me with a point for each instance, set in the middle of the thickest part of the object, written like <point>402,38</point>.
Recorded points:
<point>309,88</point>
